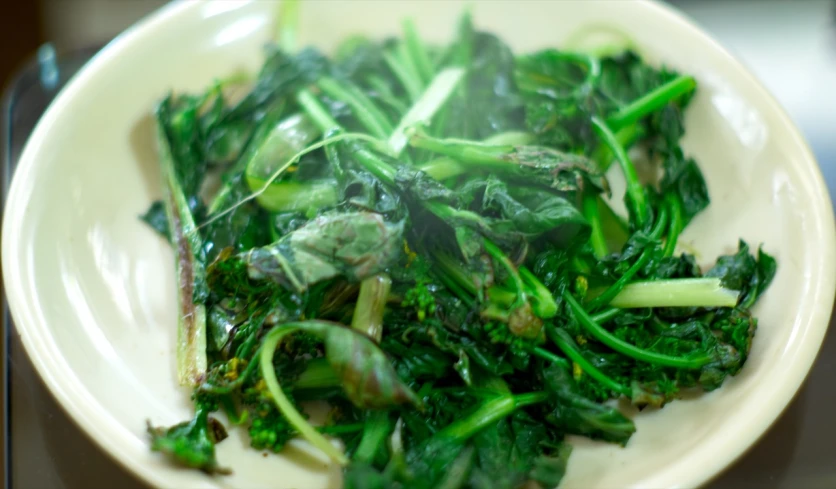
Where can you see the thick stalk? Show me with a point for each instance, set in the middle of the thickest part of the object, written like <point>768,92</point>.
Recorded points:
<point>191,314</point>
<point>614,289</point>
<point>371,304</point>
<point>678,292</point>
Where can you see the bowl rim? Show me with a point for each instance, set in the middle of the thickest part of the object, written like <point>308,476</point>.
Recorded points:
<point>84,412</point>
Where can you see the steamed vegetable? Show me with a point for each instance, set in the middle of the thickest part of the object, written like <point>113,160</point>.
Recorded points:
<point>424,237</point>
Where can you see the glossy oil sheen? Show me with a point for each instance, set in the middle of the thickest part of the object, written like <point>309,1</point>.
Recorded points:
<point>92,289</point>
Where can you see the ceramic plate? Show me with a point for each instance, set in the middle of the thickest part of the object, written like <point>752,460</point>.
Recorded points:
<point>92,289</point>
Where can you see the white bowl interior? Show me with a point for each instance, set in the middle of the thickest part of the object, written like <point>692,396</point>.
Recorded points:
<point>92,288</point>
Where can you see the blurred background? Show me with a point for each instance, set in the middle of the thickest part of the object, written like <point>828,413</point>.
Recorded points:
<point>789,44</point>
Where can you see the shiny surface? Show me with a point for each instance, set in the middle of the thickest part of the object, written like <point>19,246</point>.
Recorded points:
<point>125,330</point>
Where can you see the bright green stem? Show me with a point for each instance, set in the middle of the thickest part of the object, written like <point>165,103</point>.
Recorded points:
<point>635,192</point>
<point>326,123</point>
<point>550,357</point>
<point>417,51</point>
<point>677,292</point>
<point>268,372</point>
<point>377,428</point>
<point>372,118</point>
<point>590,212</point>
<point>318,374</point>
<point>446,167</point>
<point>288,22</point>
<point>625,136</point>
<point>542,300</point>
<point>295,196</point>
<point>676,225</point>
<point>621,346</point>
<point>317,112</point>
<point>470,152</point>
<point>614,289</point>
<point>425,107</point>
<point>651,101</point>
<point>371,304</point>
<point>409,80</point>
<point>499,257</point>
<point>606,315</point>
<point>567,345</point>
<point>488,413</point>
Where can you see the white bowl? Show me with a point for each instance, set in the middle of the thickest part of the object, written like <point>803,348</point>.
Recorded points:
<point>92,289</point>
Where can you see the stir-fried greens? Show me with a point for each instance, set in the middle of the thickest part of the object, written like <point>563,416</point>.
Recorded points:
<point>423,237</point>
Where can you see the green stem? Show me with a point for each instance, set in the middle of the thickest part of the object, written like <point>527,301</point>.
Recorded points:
<point>317,112</point>
<point>614,289</point>
<point>372,118</point>
<point>339,429</point>
<point>606,315</point>
<point>499,256</point>
<point>291,196</point>
<point>288,21</point>
<point>425,106</point>
<point>378,426</point>
<point>678,292</point>
<point>550,357</point>
<point>596,238</point>
<point>676,225</point>
<point>636,196</point>
<point>446,167</point>
<point>542,300</point>
<point>567,345</point>
<point>268,372</point>
<point>651,101</point>
<point>417,51</point>
<point>488,413</point>
<point>621,346</point>
<point>625,136</point>
<point>192,361</point>
<point>411,84</point>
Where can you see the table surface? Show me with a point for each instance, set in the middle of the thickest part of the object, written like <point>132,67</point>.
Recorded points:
<point>790,45</point>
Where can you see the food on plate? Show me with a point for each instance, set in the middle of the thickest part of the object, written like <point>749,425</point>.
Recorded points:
<point>428,239</point>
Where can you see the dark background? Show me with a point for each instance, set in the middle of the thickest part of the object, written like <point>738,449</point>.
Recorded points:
<point>789,44</point>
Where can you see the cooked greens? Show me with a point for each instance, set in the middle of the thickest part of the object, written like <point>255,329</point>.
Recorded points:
<point>423,236</point>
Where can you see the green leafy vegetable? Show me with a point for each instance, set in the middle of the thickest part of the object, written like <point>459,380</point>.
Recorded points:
<point>422,237</point>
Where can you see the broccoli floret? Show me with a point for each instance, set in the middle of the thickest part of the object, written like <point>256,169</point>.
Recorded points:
<point>421,298</point>
<point>268,430</point>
